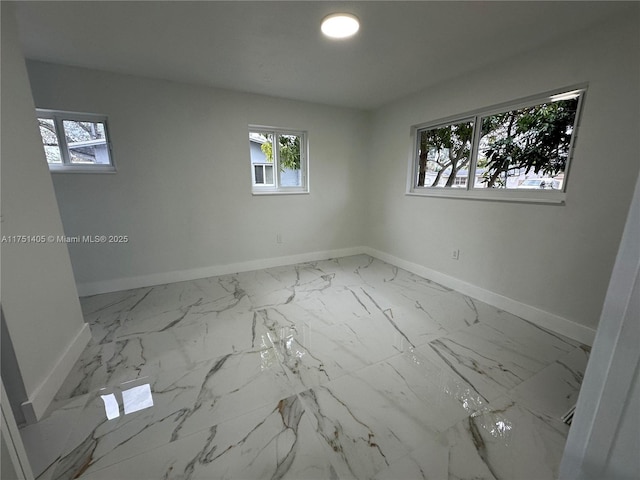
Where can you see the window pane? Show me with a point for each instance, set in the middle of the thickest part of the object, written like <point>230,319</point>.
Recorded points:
<point>269,174</point>
<point>50,140</point>
<point>291,178</point>
<point>443,155</point>
<point>87,142</point>
<point>261,150</point>
<point>260,147</point>
<point>259,174</point>
<point>526,148</point>
<point>289,156</point>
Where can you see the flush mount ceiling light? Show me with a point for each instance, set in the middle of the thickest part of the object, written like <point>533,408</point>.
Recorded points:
<point>340,25</point>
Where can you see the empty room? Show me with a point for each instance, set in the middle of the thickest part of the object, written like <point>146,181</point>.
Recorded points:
<point>320,240</point>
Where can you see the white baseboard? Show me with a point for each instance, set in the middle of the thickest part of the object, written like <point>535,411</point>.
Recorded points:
<point>534,315</point>
<point>127,283</point>
<point>42,396</point>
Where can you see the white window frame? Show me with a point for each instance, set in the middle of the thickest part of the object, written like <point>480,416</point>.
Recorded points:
<point>276,188</point>
<point>470,191</point>
<point>58,117</point>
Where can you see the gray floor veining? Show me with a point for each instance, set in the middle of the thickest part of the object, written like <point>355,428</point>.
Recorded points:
<point>338,369</point>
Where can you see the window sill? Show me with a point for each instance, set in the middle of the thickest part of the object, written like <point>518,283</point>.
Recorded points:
<point>259,193</point>
<point>514,196</point>
<point>81,169</point>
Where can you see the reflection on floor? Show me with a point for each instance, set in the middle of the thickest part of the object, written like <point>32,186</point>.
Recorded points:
<point>339,369</point>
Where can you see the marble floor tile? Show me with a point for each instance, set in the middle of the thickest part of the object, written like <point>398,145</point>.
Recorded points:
<point>45,441</point>
<point>347,269</point>
<point>183,402</point>
<point>361,445</point>
<point>506,441</point>
<point>328,307</point>
<point>347,368</point>
<point>429,461</point>
<point>374,417</point>
<point>446,397</point>
<point>273,442</point>
<point>88,373</point>
<point>494,360</point>
<point>130,357</point>
<point>166,308</point>
<point>313,353</point>
<point>554,390</point>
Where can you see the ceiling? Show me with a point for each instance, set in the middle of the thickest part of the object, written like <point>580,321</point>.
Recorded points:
<point>276,48</point>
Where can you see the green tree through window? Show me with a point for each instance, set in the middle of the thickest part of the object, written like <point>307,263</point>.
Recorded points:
<point>289,146</point>
<point>531,141</point>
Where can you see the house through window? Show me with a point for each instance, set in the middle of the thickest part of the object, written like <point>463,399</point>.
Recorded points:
<point>75,141</point>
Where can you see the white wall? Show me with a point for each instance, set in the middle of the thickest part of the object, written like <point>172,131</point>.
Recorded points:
<point>604,439</point>
<point>623,461</point>
<point>555,258</point>
<point>39,296</point>
<point>182,192</point>
<point>14,463</point>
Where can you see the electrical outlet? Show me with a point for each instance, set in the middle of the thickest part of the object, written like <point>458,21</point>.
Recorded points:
<point>455,254</point>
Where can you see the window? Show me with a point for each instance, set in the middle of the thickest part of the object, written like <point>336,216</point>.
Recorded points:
<point>519,151</point>
<point>443,152</point>
<point>75,142</point>
<point>278,160</point>
<point>263,174</point>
